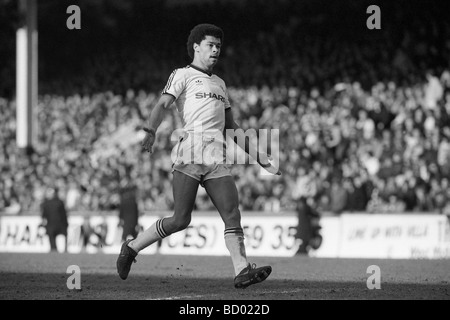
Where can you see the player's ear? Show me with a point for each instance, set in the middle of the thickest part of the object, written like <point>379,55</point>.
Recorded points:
<point>196,47</point>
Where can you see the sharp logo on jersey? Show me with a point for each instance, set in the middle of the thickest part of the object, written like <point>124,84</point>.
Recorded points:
<point>205,95</point>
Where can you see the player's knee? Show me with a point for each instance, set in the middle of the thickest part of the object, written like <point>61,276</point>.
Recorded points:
<point>180,223</point>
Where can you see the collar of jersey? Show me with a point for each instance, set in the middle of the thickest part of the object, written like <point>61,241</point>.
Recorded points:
<point>201,70</point>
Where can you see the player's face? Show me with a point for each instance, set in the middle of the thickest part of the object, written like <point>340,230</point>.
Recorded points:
<point>208,51</point>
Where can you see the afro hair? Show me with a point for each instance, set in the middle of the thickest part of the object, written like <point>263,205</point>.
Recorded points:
<point>199,32</point>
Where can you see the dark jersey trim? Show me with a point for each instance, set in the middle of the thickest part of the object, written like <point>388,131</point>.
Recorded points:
<point>169,82</point>
<point>201,70</point>
<point>170,95</point>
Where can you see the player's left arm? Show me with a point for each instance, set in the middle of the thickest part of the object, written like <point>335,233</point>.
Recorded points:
<point>243,142</point>
<point>230,124</point>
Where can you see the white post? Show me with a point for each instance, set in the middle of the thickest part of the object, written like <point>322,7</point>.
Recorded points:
<point>27,75</point>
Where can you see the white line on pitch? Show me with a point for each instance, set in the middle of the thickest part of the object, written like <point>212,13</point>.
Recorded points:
<point>184,297</point>
<point>212,295</point>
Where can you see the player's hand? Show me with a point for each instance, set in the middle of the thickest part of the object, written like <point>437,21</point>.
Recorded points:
<point>265,161</point>
<point>149,140</point>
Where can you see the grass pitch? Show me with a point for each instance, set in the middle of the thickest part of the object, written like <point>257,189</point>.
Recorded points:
<point>162,277</point>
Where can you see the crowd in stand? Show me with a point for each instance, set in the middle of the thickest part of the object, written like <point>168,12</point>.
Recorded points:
<point>363,126</point>
<point>383,150</point>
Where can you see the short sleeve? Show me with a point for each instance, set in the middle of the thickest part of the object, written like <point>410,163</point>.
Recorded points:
<point>176,84</point>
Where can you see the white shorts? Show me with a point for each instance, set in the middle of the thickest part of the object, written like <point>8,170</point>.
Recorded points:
<point>201,172</point>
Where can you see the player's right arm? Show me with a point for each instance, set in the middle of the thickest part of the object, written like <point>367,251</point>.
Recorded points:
<point>156,117</point>
<point>174,87</point>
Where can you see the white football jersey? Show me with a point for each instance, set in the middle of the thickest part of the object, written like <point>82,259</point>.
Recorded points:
<point>201,98</point>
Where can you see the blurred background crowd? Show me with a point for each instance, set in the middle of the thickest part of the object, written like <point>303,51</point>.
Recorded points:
<point>364,115</point>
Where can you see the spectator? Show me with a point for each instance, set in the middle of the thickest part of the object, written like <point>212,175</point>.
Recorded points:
<point>338,197</point>
<point>358,196</point>
<point>54,218</point>
<point>128,213</point>
<point>308,227</point>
